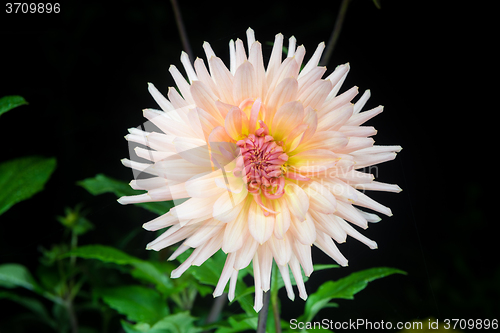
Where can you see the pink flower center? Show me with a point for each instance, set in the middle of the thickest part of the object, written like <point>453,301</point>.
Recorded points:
<point>262,163</point>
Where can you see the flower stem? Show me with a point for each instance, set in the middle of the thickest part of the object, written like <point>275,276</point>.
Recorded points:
<point>216,309</point>
<point>182,29</point>
<point>275,300</point>
<point>72,316</point>
<point>262,321</point>
<point>335,33</point>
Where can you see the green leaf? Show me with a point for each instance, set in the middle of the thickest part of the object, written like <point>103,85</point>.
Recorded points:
<point>103,184</point>
<point>135,328</point>
<point>33,305</point>
<point>103,253</point>
<point>239,323</point>
<point>16,275</point>
<point>344,288</point>
<point>178,323</point>
<point>8,103</point>
<point>149,272</point>
<point>23,177</point>
<point>137,303</point>
<point>143,270</point>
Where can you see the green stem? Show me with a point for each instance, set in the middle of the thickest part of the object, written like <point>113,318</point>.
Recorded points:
<point>262,321</point>
<point>73,245</point>
<point>216,309</point>
<point>275,302</point>
<point>71,284</point>
<point>72,316</point>
<point>335,33</point>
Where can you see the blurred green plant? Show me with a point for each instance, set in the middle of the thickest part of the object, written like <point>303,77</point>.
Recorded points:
<point>23,177</point>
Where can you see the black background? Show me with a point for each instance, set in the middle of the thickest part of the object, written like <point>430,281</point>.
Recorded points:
<point>85,70</point>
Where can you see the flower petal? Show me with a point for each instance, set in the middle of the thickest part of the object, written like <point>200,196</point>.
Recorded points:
<point>304,232</point>
<point>335,119</point>
<point>203,185</point>
<point>349,213</point>
<point>260,226</point>
<point>356,234</point>
<point>339,101</point>
<point>320,198</point>
<point>315,95</point>
<point>337,78</point>
<point>186,63</point>
<point>285,92</point>
<point>266,264</point>
<point>275,59</point>
<point>297,274</point>
<point>160,99</point>
<point>255,58</point>
<point>223,79</point>
<point>313,62</point>
<point>364,116</point>
<point>235,233</point>
<point>228,205</point>
<point>204,233</point>
<point>331,140</point>
<point>245,83</point>
<point>281,249</point>
<point>287,117</point>
<point>181,84</point>
<point>162,221</point>
<point>193,150</point>
<point>303,254</point>
<point>313,161</point>
<point>282,222</point>
<point>326,244</point>
<point>246,253</point>
<point>257,282</point>
<point>205,99</point>
<point>297,201</point>
<point>328,223</point>
<point>204,76</point>
<point>285,274</point>
<point>236,120</point>
<point>227,271</point>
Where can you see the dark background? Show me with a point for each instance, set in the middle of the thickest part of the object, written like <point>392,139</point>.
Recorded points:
<point>85,70</point>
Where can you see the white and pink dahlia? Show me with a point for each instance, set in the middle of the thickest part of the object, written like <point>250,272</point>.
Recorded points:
<point>262,162</point>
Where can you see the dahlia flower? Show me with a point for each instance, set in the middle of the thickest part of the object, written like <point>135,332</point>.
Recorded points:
<point>262,162</point>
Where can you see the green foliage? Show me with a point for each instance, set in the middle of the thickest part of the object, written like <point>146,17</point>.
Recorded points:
<point>103,253</point>
<point>103,184</point>
<point>23,177</point>
<point>344,288</point>
<point>8,103</point>
<point>143,270</point>
<point>16,275</point>
<point>181,322</point>
<point>34,305</point>
<point>75,221</point>
<point>137,303</point>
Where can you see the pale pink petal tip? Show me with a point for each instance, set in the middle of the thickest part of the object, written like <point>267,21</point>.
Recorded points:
<point>134,199</point>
